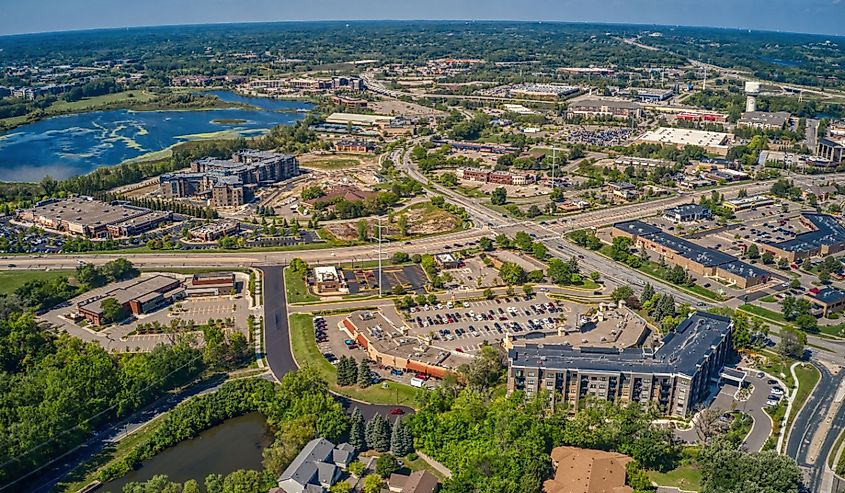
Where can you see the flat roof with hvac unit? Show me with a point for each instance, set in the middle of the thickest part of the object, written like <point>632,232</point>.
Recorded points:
<point>359,119</point>
<point>715,142</point>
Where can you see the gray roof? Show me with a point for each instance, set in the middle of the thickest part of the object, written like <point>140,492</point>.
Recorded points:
<point>777,118</point>
<point>828,232</point>
<point>681,353</point>
<point>315,464</point>
<point>689,209</point>
<point>708,257</point>
<point>829,296</point>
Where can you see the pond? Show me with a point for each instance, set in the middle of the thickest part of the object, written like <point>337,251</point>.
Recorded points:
<point>234,444</point>
<point>72,145</point>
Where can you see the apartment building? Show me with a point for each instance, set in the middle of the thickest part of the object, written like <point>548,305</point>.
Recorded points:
<point>674,378</point>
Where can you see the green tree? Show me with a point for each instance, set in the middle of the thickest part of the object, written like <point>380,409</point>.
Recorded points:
<point>621,293</point>
<point>401,441</point>
<point>363,228</point>
<point>113,310</point>
<point>386,465</point>
<point>356,431</point>
<point>499,196</point>
<point>512,273</point>
<point>486,244</point>
<point>365,378</point>
<point>372,484</point>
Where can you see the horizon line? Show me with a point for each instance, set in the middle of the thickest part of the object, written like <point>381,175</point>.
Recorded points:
<point>361,21</point>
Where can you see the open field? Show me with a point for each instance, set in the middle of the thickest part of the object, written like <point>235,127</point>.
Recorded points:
<point>297,291</point>
<point>12,280</point>
<point>89,104</point>
<point>306,353</point>
<point>684,477</point>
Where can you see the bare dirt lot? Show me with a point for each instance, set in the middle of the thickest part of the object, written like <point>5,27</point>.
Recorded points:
<point>401,108</point>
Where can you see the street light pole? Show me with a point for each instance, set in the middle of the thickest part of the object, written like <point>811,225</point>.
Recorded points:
<point>379,257</point>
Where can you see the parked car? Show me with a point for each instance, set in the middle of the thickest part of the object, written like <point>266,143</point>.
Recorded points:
<point>397,411</point>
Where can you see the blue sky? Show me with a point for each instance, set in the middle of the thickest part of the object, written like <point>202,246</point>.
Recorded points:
<point>813,16</point>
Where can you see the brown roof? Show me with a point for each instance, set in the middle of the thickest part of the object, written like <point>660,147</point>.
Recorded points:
<point>421,482</point>
<point>587,471</point>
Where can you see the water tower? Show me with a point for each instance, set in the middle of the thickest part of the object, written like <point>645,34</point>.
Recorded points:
<point>752,90</point>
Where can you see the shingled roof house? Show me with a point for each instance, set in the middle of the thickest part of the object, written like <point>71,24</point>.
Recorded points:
<point>317,467</point>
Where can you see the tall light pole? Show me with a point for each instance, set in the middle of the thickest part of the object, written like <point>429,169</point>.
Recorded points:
<point>379,257</point>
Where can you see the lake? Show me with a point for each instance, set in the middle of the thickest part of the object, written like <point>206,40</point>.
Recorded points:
<point>71,145</point>
<point>234,444</point>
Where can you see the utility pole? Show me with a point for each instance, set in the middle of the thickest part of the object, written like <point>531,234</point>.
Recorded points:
<point>554,160</point>
<point>379,257</point>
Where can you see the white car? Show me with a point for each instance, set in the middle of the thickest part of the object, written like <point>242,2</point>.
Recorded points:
<point>777,391</point>
<point>771,402</point>
<point>466,305</point>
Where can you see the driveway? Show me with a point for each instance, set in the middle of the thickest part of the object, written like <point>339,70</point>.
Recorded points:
<point>725,401</point>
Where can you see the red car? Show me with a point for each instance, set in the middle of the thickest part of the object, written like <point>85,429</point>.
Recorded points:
<point>396,410</point>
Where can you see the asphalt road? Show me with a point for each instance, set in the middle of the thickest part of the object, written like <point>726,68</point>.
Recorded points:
<point>276,331</point>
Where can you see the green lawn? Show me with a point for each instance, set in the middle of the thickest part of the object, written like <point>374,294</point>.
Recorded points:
<point>10,280</point>
<point>684,477</point>
<point>306,353</point>
<point>297,291</point>
<point>761,312</point>
<point>808,376</point>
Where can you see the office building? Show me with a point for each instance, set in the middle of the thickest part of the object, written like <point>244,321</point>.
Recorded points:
<point>215,231</point>
<point>674,378</point>
<point>831,147</point>
<point>140,297</point>
<point>700,260</point>
<point>591,108</point>
<point>826,237</point>
<point>764,120</point>
<point>688,213</point>
<point>828,300</point>
<point>357,146</point>
<point>646,94</point>
<point>211,284</point>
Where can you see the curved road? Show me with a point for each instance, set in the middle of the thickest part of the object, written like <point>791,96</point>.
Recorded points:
<point>277,347</point>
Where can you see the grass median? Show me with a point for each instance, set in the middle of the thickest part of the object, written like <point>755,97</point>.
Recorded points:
<point>808,376</point>
<point>306,353</point>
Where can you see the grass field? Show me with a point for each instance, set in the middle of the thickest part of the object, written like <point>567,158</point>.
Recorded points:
<point>306,353</point>
<point>332,164</point>
<point>297,291</point>
<point>88,104</point>
<point>10,280</point>
<point>764,313</point>
<point>684,477</point>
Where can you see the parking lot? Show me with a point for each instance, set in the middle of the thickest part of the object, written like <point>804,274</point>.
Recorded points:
<point>410,277</point>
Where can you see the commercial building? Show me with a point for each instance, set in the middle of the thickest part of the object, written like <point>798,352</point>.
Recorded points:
<point>85,216</point>
<point>328,280</point>
<point>697,116</point>
<point>624,190</point>
<point>828,300</point>
<point>694,258</point>
<point>211,284</point>
<point>591,108</point>
<point>674,378</point>
<point>641,161</point>
<point>317,467</point>
<point>831,147</point>
<point>230,183</point>
<point>712,142</point>
<point>350,102</point>
<point>579,470</point>
<point>215,231</point>
<point>361,120</point>
<point>139,297</point>
<point>745,203</point>
<point>500,177</point>
<point>826,237</point>
<point>542,91</point>
<point>359,146</point>
<point>388,345</point>
<point>447,261</point>
<point>688,213</point>
<point>646,94</point>
<point>764,120</point>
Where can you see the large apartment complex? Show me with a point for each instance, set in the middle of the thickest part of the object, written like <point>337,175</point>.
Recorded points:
<point>230,183</point>
<point>673,378</point>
